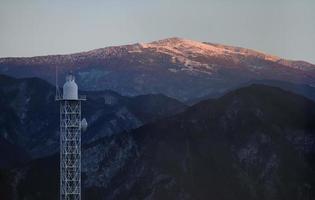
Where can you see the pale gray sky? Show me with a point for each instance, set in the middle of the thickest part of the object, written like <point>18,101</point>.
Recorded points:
<point>39,27</point>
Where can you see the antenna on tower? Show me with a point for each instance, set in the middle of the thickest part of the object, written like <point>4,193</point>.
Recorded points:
<point>57,85</point>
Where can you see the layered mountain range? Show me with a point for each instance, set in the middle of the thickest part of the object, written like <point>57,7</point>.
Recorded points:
<point>179,68</point>
<point>29,117</point>
<point>254,143</point>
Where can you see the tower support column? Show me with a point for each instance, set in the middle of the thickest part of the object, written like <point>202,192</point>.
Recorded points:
<point>70,149</point>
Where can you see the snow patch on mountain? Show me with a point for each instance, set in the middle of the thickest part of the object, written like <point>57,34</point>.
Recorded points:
<point>189,52</point>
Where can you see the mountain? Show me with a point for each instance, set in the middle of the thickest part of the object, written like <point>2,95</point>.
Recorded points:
<point>11,155</point>
<point>301,89</point>
<point>29,115</point>
<point>255,143</point>
<point>179,68</point>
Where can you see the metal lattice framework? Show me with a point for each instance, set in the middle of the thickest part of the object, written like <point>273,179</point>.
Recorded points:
<point>70,149</point>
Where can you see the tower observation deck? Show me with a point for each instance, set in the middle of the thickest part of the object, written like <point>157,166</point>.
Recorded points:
<point>70,140</point>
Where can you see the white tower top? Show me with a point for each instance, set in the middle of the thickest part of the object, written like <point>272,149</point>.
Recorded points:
<point>70,88</point>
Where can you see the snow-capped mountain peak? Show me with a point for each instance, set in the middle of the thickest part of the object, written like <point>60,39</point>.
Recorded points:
<point>164,66</point>
<point>188,48</point>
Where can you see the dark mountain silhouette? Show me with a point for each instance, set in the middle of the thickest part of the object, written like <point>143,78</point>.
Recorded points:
<point>11,155</point>
<point>301,89</point>
<point>179,68</point>
<point>255,143</point>
<point>29,116</point>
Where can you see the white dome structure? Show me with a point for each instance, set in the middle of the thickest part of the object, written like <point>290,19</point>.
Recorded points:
<point>70,88</point>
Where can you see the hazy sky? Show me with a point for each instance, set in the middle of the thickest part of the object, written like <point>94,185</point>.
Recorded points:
<point>38,27</point>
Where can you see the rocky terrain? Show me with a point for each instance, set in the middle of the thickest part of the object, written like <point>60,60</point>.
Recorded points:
<point>255,143</point>
<point>179,68</point>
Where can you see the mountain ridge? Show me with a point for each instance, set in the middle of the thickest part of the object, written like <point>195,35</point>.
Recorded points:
<point>170,40</point>
<point>29,114</point>
<point>253,143</point>
<point>179,68</point>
